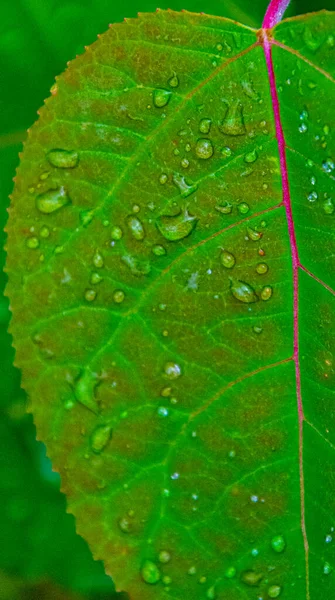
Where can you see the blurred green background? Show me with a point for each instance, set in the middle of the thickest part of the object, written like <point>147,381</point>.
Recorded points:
<point>37,538</point>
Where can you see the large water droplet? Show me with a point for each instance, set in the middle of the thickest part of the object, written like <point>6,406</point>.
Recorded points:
<point>52,200</point>
<point>125,524</point>
<point>150,572</point>
<point>278,543</point>
<point>63,159</point>
<point>251,578</point>
<point>243,292</point>
<point>136,228</point>
<point>161,97</point>
<point>227,259</point>
<point>204,148</point>
<point>100,438</point>
<point>158,250</point>
<point>243,208</point>
<point>233,123</point>
<point>177,227</point>
<point>185,189</point>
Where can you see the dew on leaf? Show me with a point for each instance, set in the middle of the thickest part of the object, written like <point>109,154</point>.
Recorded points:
<point>192,571</point>
<point>150,572</point>
<point>100,438</point>
<point>266,292</point>
<point>262,268</point>
<point>243,208</point>
<point>251,157</point>
<point>251,578</point>
<point>243,292</point>
<point>116,233</point>
<point>230,572</point>
<point>176,227</point>
<point>137,267</point>
<point>172,370</point>
<point>226,152</point>
<point>95,278</point>
<point>233,122</point>
<point>44,176</point>
<point>86,217</point>
<point>328,165</point>
<point>161,97</point>
<point>125,524</point>
<point>328,206</point>
<point>175,476</point>
<point>84,390</point>
<point>32,243</point>
<point>313,196</point>
<point>98,260</point>
<point>327,568</point>
<point>52,200</point>
<point>163,178</point>
<point>162,411</point>
<point>225,208</point>
<point>173,81</point>
<point>90,295</point>
<point>45,232</point>
<point>185,189</point>
<point>211,593</point>
<point>227,259</point>
<point>204,148</point>
<point>257,329</point>
<point>158,250</point>
<point>164,556</point>
<point>205,125</point>
<point>185,163</point>
<point>166,580</point>
<point>253,234</point>
<point>278,543</point>
<point>118,296</point>
<point>274,591</point>
<point>63,159</point>
<point>136,228</point>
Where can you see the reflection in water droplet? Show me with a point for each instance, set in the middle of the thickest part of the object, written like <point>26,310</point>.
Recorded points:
<point>158,250</point>
<point>227,259</point>
<point>100,438</point>
<point>250,157</point>
<point>278,543</point>
<point>274,591</point>
<point>233,123</point>
<point>172,370</point>
<point>204,149</point>
<point>262,268</point>
<point>116,233</point>
<point>150,572</point>
<point>52,200</point>
<point>205,125</point>
<point>251,578</point>
<point>136,228</point>
<point>137,267</point>
<point>177,227</point>
<point>32,243</point>
<point>90,295</point>
<point>63,159</point>
<point>266,292</point>
<point>161,97</point>
<point>243,292</point>
<point>253,234</point>
<point>118,296</point>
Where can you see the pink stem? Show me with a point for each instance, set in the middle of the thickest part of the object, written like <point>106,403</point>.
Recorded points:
<point>275,13</point>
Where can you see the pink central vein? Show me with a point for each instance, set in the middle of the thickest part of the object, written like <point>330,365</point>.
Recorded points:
<point>295,265</point>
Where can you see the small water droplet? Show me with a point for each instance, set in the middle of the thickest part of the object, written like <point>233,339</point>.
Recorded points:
<point>211,593</point>
<point>251,157</point>
<point>278,543</point>
<point>243,292</point>
<point>86,217</point>
<point>185,163</point>
<point>118,296</point>
<point>172,370</point>
<point>95,278</point>
<point>266,292</point>
<point>161,97</point>
<point>125,524</point>
<point>327,568</point>
<point>185,188</point>
<point>251,578</point>
<point>230,572</point>
<point>253,234</point>
<point>204,148</point>
<point>225,208</point>
<point>90,295</point>
<point>313,196</point>
<point>226,152</point>
<point>63,159</point>
<point>158,250</point>
<point>100,438</point>
<point>328,165</point>
<point>274,591</point>
<point>205,125</point>
<point>177,227</point>
<point>173,81</point>
<point>164,556</point>
<point>162,411</point>
<point>137,267</point>
<point>45,232</point>
<point>262,268</point>
<point>233,122</point>
<point>175,476</point>
<point>32,243</point>
<point>328,206</point>
<point>136,228</point>
<point>243,208</point>
<point>163,178</point>
<point>116,233</point>
<point>150,572</point>
<point>328,539</point>
<point>52,200</point>
<point>227,259</point>
<point>98,260</point>
<point>303,128</point>
<point>257,329</point>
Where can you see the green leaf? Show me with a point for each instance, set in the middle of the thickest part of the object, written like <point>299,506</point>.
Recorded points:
<point>170,260</point>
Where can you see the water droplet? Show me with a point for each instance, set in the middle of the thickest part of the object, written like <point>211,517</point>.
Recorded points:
<point>175,476</point>
<point>226,152</point>
<point>227,259</point>
<point>136,228</point>
<point>250,157</point>
<point>45,232</point>
<point>204,148</point>
<point>86,217</point>
<point>173,81</point>
<point>185,188</point>
<point>243,208</point>
<point>312,197</point>
<point>326,129</point>
<point>52,200</point>
<point>266,292</point>
<point>257,329</point>
<point>137,267</point>
<point>162,411</point>
<point>327,568</point>
<point>177,227</point>
<point>150,572</point>
<point>303,128</point>
<point>328,165</point>
<point>225,209</point>
<point>205,125</point>
<point>211,593</point>
<point>262,268</point>
<point>125,524</point>
<point>253,234</point>
<point>100,438</point>
<point>63,159</point>
<point>95,278</point>
<point>161,97</point>
<point>254,552</point>
<point>158,250</point>
<point>278,543</point>
<point>90,295</point>
<point>172,370</point>
<point>328,539</point>
<point>118,296</point>
<point>44,176</point>
<point>243,292</point>
<point>166,580</point>
<point>164,556</point>
<point>251,578</point>
<point>116,233</point>
<point>274,591</point>
<point>233,123</point>
<point>328,206</point>
<point>98,260</point>
<point>32,243</point>
<point>230,572</point>
<point>84,390</point>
